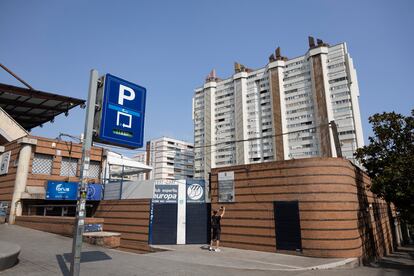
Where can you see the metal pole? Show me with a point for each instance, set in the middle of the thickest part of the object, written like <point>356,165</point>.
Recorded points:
<point>15,76</point>
<point>122,183</point>
<point>84,174</point>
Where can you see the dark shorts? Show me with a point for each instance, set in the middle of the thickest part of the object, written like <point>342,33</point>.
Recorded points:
<point>216,234</point>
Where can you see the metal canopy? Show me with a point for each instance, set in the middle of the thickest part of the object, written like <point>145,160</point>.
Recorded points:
<point>32,108</point>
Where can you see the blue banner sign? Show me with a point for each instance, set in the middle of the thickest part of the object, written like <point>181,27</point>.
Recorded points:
<point>195,191</point>
<point>122,115</point>
<point>59,190</point>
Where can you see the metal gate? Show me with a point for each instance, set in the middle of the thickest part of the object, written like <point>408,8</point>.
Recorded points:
<point>287,225</point>
<point>164,224</point>
<point>197,223</point>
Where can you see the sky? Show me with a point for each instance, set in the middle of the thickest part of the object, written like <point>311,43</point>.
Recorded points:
<point>169,47</point>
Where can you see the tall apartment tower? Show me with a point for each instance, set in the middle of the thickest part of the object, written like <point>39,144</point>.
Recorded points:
<point>170,158</point>
<point>278,112</point>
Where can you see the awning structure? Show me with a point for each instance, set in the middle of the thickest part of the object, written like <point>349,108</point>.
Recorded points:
<point>122,179</point>
<point>31,108</point>
<point>122,166</point>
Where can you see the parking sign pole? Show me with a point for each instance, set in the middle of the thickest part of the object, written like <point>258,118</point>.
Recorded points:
<point>84,174</point>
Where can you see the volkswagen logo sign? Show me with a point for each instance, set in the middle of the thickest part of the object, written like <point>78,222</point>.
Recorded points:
<point>195,191</point>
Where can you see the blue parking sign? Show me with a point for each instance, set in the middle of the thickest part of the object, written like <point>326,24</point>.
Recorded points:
<point>122,114</point>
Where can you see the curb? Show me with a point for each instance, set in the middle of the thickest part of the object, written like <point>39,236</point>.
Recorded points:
<point>350,263</point>
<point>346,263</point>
<point>8,254</point>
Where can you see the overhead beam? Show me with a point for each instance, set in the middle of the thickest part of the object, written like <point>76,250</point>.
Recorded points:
<point>43,115</point>
<point>4,103</point>
<point>38,94</point>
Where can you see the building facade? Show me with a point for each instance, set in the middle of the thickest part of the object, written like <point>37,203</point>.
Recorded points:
<point>32,163</point>
<point>279,112</point>
<point>170,158</point>
<point>320,207</point>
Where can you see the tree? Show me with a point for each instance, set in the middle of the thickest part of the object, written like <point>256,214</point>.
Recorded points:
<point>389,160</point>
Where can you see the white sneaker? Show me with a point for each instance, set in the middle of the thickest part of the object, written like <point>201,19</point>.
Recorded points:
<point>217,250</point>
<point>210,248</point>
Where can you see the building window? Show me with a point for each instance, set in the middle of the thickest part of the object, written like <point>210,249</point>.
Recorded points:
<point>94,169</point>
<point>69,166</point>
<point>42,164</point>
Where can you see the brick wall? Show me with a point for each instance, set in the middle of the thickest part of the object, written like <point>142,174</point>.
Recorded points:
<point>7,180</point>
<point>44,146</point>
<point>61,149</point>
<point>335,217</point>
<point>57,225</point>
<point>375,221</point>
<point>130,217</point>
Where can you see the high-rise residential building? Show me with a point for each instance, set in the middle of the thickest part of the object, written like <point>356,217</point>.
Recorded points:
<point>170,158</point>
<point>281,111</point>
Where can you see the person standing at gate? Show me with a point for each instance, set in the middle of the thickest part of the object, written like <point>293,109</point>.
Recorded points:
<point>216,226</point>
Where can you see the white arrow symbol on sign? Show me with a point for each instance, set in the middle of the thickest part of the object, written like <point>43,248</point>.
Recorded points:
<point>119,114</point>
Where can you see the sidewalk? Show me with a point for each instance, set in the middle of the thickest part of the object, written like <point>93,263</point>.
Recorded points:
<point>248,259</point>
<point>49,254</point>
<point>402,258</point>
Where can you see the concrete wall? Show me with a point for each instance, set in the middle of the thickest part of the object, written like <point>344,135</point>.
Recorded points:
<point>335,217</point>
<point>10,130</point>
<point>130,217</point>
<point>130,189</point>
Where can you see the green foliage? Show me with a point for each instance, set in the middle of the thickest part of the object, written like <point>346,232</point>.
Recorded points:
<point>389,160</point>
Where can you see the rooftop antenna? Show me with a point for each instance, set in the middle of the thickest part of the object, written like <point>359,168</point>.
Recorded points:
<point>311,41</point>
<point>278,55</point>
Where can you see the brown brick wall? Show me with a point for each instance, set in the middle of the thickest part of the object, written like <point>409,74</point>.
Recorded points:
<point>67,149</point>
<point>130,217</point>
<point>43,146</point>
<point>57,225</point>
<point>374,221</point>
<point>7,181</point>
<point>333,201</point>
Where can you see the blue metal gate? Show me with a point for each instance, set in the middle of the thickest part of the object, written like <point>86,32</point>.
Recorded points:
<point>164,224</point>
<point>197,223</point>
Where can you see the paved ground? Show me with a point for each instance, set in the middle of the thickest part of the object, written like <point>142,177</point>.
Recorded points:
<point>48,254</point>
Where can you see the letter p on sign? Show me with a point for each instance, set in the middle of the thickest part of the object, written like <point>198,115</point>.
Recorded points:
<point>122,95</point>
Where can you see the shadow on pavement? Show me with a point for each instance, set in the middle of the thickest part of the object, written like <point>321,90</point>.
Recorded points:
<point>407,249</point>
<point>89,256</point>
<point>402,260</point>
<point>62,265</point>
